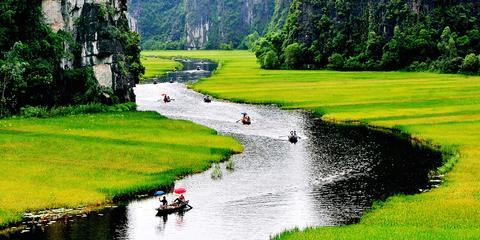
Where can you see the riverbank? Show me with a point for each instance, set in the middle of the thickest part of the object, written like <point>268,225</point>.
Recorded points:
<point>439,109</point>
<point>155,67</point>
<point>91,159</point>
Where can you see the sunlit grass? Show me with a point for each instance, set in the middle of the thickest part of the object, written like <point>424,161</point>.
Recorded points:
<point>155,66</point>
<point>442,109</point>
<point>90,159</point>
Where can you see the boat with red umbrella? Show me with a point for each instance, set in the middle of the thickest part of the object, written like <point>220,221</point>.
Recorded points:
<point>179,205</point>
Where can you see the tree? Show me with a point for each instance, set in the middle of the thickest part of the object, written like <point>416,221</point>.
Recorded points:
<point>335,61</point>
<point>294,55</point>
<point>447,43</point>
<point>11,72</point>
<point>270,60</point>
<point>470,64</point>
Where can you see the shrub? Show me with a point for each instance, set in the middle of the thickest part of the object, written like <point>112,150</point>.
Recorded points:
<point>270,60</point>
<point>470,64</point>
<point>294,55</point>
<point>335,61</point>
<point>43,112</point>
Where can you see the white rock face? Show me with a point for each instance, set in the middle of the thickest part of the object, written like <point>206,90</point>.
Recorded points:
<point>103,74</point>
<point>197,35</point>
<point>63,17</point>
<point>52,10</point>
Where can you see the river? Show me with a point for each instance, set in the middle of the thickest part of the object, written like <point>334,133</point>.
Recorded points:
<point>330,177</point>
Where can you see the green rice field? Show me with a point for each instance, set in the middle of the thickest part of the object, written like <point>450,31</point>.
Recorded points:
<point>155,66</point>
<point>87,160</point>
<point>439,109</point>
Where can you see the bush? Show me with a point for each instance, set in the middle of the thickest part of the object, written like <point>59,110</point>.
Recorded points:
<point>294,56</point>
<point>447,65</point>
<point>44,112</point>
<point>418,67</point>
<point>335,61</point>
<point>226,46</point>
<point>270,60</point>
<point>470,64</point>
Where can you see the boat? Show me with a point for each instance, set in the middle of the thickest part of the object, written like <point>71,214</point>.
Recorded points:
<point>181,207</point>
<point>207,99</point>
<point>246,121</point>
<point>293,139</point>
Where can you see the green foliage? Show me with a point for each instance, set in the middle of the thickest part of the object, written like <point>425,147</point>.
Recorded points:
<point>380,35</point>
<point>249,41</point>
<point>11,77</point>
<point>270,60</point>
<point>335,61</point>
<point>44,112</point>
<point>226,46</point>
<point>471,64</point>
<point>294,56</point>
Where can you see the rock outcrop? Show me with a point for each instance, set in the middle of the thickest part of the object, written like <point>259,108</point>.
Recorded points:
<point>97,27</point>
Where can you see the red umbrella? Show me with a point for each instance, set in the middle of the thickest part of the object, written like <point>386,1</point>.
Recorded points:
<point>180,190</point>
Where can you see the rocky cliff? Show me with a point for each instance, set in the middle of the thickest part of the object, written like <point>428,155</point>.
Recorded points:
<point>204,24</point>
<point>101,39</point>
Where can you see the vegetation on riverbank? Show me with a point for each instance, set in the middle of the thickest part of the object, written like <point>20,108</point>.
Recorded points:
<point>155,66</point>
<point>90,159</point>
<point>439,108</point>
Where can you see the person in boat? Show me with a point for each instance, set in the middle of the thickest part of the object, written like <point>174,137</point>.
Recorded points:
<point>164,201</point>
<point>207,99</point>
<point>180,199</point>
<point>245,118</point>
<point>166,98</point>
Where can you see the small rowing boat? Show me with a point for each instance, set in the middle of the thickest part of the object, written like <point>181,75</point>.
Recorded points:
<point>293,139</point>
<point>181,207</point>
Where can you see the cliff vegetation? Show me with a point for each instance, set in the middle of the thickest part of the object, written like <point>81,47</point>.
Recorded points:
<point>415,35</point>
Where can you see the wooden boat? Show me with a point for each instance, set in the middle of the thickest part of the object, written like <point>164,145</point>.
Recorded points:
<point>246,121</point>
<point>293,139</point>
<point>173,208</point>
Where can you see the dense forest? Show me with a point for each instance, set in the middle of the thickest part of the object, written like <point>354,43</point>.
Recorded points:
<point>416,35</point>
<point>206,24</point>
<point>39,66</point>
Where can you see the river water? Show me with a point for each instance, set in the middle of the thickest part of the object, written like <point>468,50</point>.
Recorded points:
<point>330,177</point>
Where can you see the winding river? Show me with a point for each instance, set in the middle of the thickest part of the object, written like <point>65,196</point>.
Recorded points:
<point>329,178</point>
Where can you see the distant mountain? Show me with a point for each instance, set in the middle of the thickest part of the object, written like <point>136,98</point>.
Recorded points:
<point>205,24</point>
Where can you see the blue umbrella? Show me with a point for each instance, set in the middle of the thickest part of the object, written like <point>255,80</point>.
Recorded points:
<point>159,193</point>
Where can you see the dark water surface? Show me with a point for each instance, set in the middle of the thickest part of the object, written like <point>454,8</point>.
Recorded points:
<point>329,178</point>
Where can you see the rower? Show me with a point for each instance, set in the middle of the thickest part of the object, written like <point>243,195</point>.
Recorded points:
<point>246,119</point>
<point>207,99</point>
<point>166,98</point>
<point>164,201</point>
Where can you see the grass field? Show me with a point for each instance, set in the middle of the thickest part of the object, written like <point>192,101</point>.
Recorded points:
<point>440,109</point>
<point>89,159</point>
<point>155,66</point>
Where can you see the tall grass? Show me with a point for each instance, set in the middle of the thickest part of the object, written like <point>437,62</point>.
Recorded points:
<point>440,109</point>
<point>88,159</point>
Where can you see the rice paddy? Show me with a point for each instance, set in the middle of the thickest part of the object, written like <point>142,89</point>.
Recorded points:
<point>440,109</point>
<point>155,66</point>
<point>90,159</point>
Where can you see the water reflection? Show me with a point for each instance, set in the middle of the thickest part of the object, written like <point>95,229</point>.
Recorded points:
<point>330,177</point>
